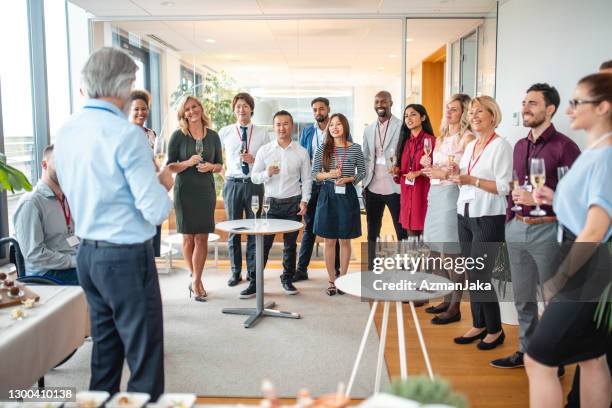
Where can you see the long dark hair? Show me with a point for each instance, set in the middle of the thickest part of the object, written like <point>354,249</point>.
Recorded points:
<point>328,142</point>
<point>405,132</point>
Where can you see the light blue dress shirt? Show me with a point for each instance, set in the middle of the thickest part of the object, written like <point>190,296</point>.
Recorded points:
<point>586,184</point>
<point>105,168</point>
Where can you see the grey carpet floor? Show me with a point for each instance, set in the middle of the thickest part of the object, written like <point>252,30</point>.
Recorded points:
<point>212,354</point>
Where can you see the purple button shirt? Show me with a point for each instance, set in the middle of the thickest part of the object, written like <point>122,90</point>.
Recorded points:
<point>555,148</point>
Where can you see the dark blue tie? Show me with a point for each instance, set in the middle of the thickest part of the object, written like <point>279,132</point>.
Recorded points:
<point>244,165</point>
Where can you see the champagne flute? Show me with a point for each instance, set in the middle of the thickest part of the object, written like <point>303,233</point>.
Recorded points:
<point>199,147</point>
<point>255,206</point>
<point>266,208</point>
<point>561,172</point>
<point>516,185</point>
<point>392,161</point>
<point>160,151</point>
<point>427,147</point>
<point>538,178</point>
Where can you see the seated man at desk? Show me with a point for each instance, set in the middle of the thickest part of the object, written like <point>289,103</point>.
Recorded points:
<point>44,228</point>
<point>283,166</point>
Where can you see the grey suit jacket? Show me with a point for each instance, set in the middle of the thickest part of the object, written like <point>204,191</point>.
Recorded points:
<point>390,144</point>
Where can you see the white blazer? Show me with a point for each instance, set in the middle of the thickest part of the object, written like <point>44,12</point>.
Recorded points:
<point>369,146</point>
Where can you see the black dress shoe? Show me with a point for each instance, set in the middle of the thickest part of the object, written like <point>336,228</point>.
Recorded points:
<point>249,292</point>
<point>446,320</point>
<point>514,361</point>
<point>483,345</point>
<point>289,288</point>
<point>234,280</point>
<point>437,309</point>
<point>299,277</point>
<point>468,340</point>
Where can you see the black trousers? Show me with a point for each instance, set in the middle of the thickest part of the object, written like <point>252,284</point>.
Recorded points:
<point>375,208</point>
<point>125,310</point>
<point>477,237</point>
<point>157,241</point>
<point>237,200</point>
<point>309,237</point>
<point>284,209</point>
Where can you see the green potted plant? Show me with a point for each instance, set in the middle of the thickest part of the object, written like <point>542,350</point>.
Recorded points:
<point>11,178</point>
<point>425,391</point>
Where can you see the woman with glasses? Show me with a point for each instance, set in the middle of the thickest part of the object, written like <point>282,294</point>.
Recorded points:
<point>567,332</point>
<point>440,233</point>
<point>484,180</point>
<point>194,153</point>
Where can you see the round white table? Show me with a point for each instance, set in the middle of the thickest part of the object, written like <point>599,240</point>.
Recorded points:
<point>361,285</point>
<point>259,228</point>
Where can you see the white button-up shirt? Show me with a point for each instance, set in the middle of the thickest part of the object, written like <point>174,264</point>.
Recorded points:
<point>294,177</point>
<point>231,138</point>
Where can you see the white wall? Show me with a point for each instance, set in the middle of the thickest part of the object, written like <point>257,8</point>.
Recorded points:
<point>554,41</point>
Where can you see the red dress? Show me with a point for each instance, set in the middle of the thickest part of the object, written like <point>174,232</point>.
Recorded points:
<point>413,198</point>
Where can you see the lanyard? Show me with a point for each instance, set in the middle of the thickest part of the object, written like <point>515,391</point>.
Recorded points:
<point>416,149</point>
<point>249,140</point>
<point>534,154</point>
<point>65,210</point>
<point>343,158</point>
<point>382,142</point>
<point>470,165</point>
<point>100,108</point>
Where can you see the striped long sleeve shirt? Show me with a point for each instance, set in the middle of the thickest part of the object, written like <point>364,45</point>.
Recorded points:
<point>351,159</point>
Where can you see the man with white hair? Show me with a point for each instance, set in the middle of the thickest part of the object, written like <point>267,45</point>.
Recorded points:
<point>106,170</point>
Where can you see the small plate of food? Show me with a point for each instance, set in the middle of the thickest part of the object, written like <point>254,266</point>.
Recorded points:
<point>15,292</point>
<point>176,401</point>
<point>128,400</point>
<point>88,399</point>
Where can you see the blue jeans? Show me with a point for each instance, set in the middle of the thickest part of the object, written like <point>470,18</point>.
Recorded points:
<point>66,276</point>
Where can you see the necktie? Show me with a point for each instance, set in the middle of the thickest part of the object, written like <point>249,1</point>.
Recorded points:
<point>244,165</point>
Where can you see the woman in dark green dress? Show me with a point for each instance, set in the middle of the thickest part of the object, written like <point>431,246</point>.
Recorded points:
<point>194,153</point>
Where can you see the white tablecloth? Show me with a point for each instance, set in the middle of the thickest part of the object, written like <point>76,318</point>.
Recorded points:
<point>30,347</point>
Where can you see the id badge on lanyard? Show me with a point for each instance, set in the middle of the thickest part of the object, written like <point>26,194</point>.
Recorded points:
<point>408,181</point>
<point>340,189</point>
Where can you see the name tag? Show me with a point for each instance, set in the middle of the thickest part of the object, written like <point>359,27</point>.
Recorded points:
<point>72,241</point>
<point>435,182</point>
<point>559,233</point>
<point>528,188</point>
<point>340,189</point>
<point>468,193</point>
<point>408,182</point>
<point>381,160</point>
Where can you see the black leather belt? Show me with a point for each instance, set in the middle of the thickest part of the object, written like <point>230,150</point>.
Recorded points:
<point>105,244</point>
<point>286,200</point>
<point>238,179</point>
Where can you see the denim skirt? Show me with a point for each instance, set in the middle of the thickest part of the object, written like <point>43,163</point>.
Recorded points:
<point>337,215</point>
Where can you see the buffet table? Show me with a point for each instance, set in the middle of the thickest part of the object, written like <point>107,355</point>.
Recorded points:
<point>45,336</point>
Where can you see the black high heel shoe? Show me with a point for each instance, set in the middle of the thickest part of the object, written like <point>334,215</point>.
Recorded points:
<point>197,298</point>
<point>471,339</point>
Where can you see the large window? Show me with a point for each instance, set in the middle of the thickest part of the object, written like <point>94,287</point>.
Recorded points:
<point>16,91</point>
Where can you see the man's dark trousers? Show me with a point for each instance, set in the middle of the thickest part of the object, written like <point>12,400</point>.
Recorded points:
<point>284,209</point>
<point>375,208</point>
<point>309,237</point>
<point>237,195</point>
<point>125,310</point>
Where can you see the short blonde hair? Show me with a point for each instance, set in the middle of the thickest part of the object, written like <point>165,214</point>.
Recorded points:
<point>490,105</point>
<point>180,114</point>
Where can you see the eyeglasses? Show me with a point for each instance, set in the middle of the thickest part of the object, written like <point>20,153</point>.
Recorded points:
<point>575,102</point>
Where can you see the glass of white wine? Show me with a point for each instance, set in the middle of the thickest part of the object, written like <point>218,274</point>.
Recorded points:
<point>392,161</point>
<point>266,208</point>
<point>160,151</point>
<point>199,147</point>
<point>427,147</point>
<point>538,178</point>
<point>516,184</point>
<point>255,206</point>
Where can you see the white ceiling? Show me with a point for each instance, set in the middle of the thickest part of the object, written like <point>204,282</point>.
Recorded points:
<point>262,8</point>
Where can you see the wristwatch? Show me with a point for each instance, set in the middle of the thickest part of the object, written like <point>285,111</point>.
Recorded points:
<point>477,182</point>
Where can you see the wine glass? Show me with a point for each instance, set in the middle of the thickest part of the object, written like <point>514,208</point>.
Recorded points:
<point>160,151</point>
<point>199,147</point>
<point>538,178</point>
<point>516,185</point>
<point>427,147</point>
<point>392,160</point>
<point>561,172</point>
<point>266,208</point>
<point>255,206</point>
